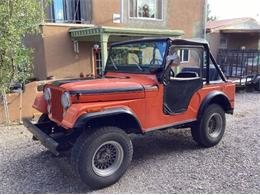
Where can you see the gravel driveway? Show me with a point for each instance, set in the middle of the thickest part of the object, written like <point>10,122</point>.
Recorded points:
<point>164,162</point>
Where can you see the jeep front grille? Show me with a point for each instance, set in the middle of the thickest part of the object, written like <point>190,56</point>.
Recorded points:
<point>56,106</point>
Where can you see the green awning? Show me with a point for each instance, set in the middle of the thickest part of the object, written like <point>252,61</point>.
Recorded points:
<point>139,32</point>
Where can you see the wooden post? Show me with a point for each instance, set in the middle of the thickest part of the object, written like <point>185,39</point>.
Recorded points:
<point>104,53</point>
<point>6,110</point>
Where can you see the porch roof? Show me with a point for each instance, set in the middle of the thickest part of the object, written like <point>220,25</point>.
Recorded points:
<point>79,33</point>
<point>240,30</point>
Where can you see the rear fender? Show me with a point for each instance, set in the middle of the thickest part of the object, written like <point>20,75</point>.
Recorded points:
<point>215,97</point>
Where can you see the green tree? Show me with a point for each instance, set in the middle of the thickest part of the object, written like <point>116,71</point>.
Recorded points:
<point>209,16</point>
<point>18,18</point>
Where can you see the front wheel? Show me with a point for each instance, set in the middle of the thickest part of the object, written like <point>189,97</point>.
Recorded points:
<point>102,157</point>
<point>209,130</point>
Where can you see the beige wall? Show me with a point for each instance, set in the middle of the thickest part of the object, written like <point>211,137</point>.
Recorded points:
<point>184,15</point>
<point>54,54</point>
<point>236,41</point>
<point>187,15</point>
<point>61,60</point>
<point>26,104</point>
<point>214,42</point>
<point>103,10</point>
<point>36,43</point>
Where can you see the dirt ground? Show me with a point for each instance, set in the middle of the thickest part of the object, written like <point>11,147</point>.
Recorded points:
<point>163,162</point>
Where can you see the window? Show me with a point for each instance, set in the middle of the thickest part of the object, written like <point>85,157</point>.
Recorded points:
<point>70,11</point>
<point>58,10</point>
<point>191,59</point>
<point>146,9</point>
<point>223,43</point>
<point>184,55</point>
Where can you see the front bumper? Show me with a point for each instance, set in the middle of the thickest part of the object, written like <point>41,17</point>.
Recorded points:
<point>44,138</point>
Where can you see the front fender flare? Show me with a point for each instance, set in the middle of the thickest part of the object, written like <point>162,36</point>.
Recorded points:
<point>83,119</point>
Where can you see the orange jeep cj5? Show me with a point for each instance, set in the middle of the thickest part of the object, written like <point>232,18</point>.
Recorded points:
<point>147,85</point>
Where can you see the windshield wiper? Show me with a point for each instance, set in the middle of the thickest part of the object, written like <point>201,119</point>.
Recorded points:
<point>113,63</point>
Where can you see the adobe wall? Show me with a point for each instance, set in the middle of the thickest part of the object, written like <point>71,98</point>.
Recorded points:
<point>236,41</point>
<point>54,53</point>
<point>61,60</point>
<point>214,42</point>
<point>14,105</point>
<point>185,15</point>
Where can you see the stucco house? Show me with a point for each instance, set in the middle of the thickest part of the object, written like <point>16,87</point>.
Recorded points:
<point>76,35</point>
<point>235,43</point>
<point>239,33</point>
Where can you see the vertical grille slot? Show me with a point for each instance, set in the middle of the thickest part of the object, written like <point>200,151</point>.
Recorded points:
<point>56,107</point>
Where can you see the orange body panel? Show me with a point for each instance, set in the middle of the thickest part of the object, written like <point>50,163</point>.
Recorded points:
<point>147,105</point>
<point>40,104</point>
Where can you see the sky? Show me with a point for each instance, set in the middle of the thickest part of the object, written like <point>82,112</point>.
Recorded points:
<point>226,9</point>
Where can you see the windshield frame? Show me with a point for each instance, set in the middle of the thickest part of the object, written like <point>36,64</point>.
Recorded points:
<point>159,69</point>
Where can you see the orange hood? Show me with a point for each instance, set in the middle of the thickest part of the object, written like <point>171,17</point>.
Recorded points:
<point>107,89</point>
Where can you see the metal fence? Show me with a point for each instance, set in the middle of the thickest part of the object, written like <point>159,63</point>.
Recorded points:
<point>239,63</point>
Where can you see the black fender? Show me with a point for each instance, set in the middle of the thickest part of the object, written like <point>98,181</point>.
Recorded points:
<point>217,97</point>
<point>112,112</point>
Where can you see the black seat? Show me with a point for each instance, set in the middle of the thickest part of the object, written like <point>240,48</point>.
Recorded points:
<point>213,73</point>
<point>187,74</point>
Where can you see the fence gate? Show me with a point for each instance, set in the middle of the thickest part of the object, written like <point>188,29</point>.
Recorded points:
<point>239,63</point>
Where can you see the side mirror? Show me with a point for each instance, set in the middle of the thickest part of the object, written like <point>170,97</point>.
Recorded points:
<point>172,59</point>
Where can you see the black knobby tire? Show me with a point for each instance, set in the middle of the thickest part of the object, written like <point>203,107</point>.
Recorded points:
<point>43,118</point>
<point>88,145</point>
<point>209,130</point>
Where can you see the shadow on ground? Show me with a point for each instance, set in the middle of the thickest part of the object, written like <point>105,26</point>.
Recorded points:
<point>45,173</point>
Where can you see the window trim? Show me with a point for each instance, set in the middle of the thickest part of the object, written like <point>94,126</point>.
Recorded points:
<point>145,18</point>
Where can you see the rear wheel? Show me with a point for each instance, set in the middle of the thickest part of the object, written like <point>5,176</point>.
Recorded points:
<point>102,157</point>
<point>209,130</point>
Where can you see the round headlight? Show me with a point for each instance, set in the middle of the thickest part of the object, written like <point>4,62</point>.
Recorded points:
<point>65,100</point>
<point>47,94</point>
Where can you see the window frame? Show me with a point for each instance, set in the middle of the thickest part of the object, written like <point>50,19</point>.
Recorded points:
<point>189,48</point>
<point>136,42</point>
<point>145,18</point>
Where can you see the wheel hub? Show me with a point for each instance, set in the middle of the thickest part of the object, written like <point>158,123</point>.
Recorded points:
<point>107,158</point>
<point>215,123</point>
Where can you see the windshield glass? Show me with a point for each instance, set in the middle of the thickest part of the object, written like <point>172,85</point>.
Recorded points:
<point>140,57</point>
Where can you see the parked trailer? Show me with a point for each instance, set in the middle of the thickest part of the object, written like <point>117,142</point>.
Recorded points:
<point>241,66</point>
